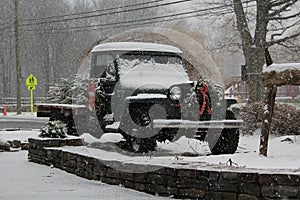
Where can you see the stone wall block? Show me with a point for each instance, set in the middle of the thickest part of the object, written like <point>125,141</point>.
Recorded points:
<point>214,176</point>
<point>187,173</point>
<point>171,181</point>
<point>127,176</point>
<point>247,197</point>
<point>224,186</point>
<point>170,171</point>
<point>203,175</point>
<point>249,188</point>
<point>285,179</point>
<point>140,178</point>
<point>155,179</point>
<point>265,179</point>
<point>248,177</point>
<point>229,176</point>
<point>139,186</point>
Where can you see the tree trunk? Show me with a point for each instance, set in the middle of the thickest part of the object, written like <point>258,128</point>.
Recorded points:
<point>254,63</point>
<point>253,47</point>
<point>17,49</point>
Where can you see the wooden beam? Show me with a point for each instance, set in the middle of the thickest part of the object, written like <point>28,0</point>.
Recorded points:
<point>286,77</point>
<point>270,96</point>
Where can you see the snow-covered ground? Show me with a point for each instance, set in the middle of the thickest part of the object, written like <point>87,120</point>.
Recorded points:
<point>24,180</point>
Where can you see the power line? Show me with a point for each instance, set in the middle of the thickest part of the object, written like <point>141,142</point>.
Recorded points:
<point>123,24</point>
<point>62,20</point>
<point>95,11</point>
<point>82,13</point>
<point>133,21</point>
<point>142,21</point>
<point>110,13</point>
<point>102,14</point>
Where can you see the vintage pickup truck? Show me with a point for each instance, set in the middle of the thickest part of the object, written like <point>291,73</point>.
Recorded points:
<point>144,90</point>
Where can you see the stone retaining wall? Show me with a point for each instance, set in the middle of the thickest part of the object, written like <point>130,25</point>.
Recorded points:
<point>168,181</point>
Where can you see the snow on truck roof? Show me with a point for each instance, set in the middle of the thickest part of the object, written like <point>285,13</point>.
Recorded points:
<point>136,46</point>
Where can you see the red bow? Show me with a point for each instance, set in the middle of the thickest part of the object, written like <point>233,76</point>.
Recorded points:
<point>204,90</point>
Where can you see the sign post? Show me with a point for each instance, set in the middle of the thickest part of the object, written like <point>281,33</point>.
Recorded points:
<point>31,83</point>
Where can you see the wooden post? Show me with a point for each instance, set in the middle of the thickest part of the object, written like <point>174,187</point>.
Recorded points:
<point>269,100</point>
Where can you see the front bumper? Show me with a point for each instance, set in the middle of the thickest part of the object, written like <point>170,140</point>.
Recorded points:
<point>186,124</point>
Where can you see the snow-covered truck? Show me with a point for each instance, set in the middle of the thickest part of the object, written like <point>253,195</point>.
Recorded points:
<point>144,91</point>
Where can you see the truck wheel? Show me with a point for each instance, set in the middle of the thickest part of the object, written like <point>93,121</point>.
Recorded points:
<point>227,143</point>
<point>141,145</point>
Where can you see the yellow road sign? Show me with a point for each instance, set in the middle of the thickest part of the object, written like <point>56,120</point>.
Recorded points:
<point>31,81</point>
<point>31,87</point>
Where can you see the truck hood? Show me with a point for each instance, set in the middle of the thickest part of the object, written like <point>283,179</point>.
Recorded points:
<point>151,75</point>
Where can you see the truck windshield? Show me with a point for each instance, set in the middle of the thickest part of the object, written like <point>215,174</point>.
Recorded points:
<point>159,69</point>
<point>157,57</point>
<point>103,62</point>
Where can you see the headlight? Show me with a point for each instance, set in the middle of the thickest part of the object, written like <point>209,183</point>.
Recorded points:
<point>175,93</point>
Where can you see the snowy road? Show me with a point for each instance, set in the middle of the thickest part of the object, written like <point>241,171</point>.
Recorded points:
<point>20,179</point>
<point>24,121</point>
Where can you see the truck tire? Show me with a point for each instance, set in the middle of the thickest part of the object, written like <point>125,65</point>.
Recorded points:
<point>138,145</point>
<point>227,143</point>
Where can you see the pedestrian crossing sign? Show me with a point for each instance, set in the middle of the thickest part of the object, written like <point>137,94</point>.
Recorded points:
<point>31,82</point>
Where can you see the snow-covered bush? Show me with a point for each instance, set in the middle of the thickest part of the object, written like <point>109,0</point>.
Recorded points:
<point>69,90</point>
<point>285,119</point>
<point>54,129</point>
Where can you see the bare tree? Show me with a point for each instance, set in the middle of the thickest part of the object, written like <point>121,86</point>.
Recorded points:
<point>262,24</point>
<point>39,47</point>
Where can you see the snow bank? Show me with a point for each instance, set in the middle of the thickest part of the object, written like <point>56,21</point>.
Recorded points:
<point>281,67</point>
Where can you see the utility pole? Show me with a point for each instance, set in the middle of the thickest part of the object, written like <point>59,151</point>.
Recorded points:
<point>17,51</point>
